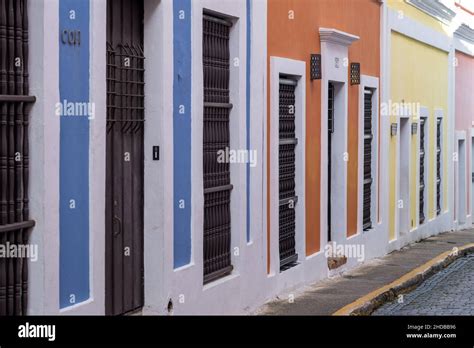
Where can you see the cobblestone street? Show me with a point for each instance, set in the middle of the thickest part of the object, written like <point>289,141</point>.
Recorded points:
<point>449,292</point>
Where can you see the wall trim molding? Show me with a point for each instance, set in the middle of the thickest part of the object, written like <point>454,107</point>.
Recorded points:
<point>435,9</point>
<point>465,32</point>
<point>336,36</point>
<point>463,46</point>
<point>417,31</point>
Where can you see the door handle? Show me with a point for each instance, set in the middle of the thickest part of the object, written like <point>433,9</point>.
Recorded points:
<point>119,223</point>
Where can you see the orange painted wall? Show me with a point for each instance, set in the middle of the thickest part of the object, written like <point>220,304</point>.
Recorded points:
<point>296,39</point>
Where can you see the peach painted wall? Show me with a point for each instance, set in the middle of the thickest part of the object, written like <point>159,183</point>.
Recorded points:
<point>296,39</point>
<point>464,102</point>
<point>464,91</point>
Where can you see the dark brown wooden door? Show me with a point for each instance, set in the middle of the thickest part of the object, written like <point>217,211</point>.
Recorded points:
<point>124,182</point>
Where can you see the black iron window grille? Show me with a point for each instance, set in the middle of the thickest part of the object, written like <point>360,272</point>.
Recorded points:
<point>125,88</point>
<point>438,166</point>
<point>422,170</point>
<point>216,137</point>
<point>368,138</point>
<point>287,169</point>
<point>355,73</point>
<point>15,224</point>
<point>315,66</point>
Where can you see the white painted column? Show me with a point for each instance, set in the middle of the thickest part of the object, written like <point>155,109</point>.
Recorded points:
<point>43,292</point>
<point>158,218</point>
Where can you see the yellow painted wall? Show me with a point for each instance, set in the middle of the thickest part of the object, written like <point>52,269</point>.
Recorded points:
<point>419,74</point>
<point>404,9</point>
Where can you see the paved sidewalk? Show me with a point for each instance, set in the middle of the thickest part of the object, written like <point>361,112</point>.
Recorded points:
<point>330,295</point>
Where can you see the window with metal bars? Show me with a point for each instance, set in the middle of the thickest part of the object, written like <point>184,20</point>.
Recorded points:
<point>368,138</point>
<point>216,136</point>
<point>14,158</point>
<point>330,133</point>
<point>287,168</point>
<point>422,170</point>
<point>438,166</point>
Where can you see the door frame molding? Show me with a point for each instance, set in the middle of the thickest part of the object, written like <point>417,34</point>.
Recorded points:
<point>296,69</point>
<point>334,52</point>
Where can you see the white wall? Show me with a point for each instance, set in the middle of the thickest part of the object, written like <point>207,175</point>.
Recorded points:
<point>44,159</point>
<point>184,286</point>
<point>43,295</point>
<point>158,228</point>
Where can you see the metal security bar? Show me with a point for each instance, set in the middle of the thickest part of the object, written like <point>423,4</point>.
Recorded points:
<point>287,168</point>
<point>15,224</point>
<point>422,170</point>
<point>330,132</point>
<point>216,137</point>
<point>368,136</point>
<point>125,156</point>
<point>438,166</point>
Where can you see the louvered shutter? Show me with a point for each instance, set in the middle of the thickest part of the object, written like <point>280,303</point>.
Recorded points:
<point>438,166</point>
<point>330,132</point>
<point>287,168</point>
<point>368,137</point>
<point>422,170</point>
<point>216,136</point>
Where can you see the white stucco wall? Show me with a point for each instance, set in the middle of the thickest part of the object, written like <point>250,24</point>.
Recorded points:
<point>44,159</point>
<point>158,246</point>
<point>43,295</point>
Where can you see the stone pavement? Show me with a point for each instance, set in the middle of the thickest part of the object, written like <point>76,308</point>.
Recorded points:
<point>328,296</point>
<point>449,292</point>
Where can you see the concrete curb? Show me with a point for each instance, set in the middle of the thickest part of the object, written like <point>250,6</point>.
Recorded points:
<point>367,304</point>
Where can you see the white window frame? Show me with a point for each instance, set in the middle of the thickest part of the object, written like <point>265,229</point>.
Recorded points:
<point>459,218</point>
<point>237,47</point>
<point>407,203</point>
<point>371,83</point>
<point>297,69</point>
<point>424,113</point>
<point>470,158</point>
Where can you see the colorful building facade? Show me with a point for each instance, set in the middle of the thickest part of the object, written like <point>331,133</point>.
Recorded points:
<point>418,77</point>
<point>205,156</point>
<point>464,77</point>
<point>329,174</point>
